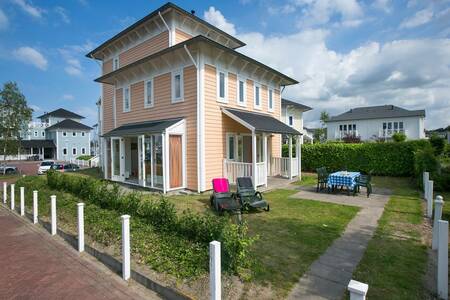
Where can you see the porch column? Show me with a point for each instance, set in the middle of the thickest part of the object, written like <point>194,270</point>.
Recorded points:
<point>142,162</point>
<point>265,158</point>
<point>164,162</point>
<point>290,156</point>
<point>254,158</point>
<point>299,155</point>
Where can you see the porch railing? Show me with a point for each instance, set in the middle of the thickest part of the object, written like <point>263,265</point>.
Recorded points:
<point>279,166</point>
<point>260,173</point>
<point>233,170</point>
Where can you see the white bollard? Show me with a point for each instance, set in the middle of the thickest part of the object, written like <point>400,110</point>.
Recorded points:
<point>22,201</point>
<point>125,247</point>
<point>5,192</point>
<point>438,203</point>
<point>442,262</point>
<point>80,227</point>
<point>12,196</point>
<point>215,286</point>
<point>35,207</point>
<point>53,214</point>
<point>426,177</point>
<point>430,199</point>
<point>358,290</point>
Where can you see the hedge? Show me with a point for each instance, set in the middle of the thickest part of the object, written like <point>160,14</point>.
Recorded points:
<point>387,159</point>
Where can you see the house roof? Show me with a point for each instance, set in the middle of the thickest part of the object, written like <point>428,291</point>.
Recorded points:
<point>296,104</point>
<point>259,122</point>
<point>37,144</point>
<point>69,124</point>
<point>153,14</point>
<point>376,112</point>
<point>61,113</point>
<point>131,129</point>
<point>109,77</point>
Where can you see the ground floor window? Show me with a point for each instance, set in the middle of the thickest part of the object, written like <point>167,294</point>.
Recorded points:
<point>74,151</point>
<point>64,151</point>
<point>83,150</point>
<point>239,147</point>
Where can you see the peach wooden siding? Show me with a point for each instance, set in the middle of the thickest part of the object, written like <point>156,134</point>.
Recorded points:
<point>217,124</point>
<point>107,66</point>
<point>107,102</point>
<point>181,36</point>
<point>150,46</point>
<point>163,109</point>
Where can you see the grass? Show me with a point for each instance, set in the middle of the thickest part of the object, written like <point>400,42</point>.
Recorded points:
<point>93,172</point>
<point>395,261</point>
<point>308,179</point>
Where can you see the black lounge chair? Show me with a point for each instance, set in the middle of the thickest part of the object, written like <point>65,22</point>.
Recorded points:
<point>248,196</point>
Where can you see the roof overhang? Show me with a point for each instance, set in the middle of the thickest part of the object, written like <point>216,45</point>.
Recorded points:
<point>140,128</point>
<point>298,105</point>
<point>257,122</point>
<point>194,44</point>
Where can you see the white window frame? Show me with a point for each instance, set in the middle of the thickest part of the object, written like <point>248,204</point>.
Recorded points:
<point>64,133</point>
<point>43,133</point>
<point>74,133</point>
<point>125,88</point>
<point>74,148</point>
<point>257,85</point>
<point>65,150</point>
<point>269,100</point>
<point>148,105</point>
<point>174,74</point>
<point>115,65</point>
<point>289,120</point>
<point>223,99</point>
<point>83,134</point>
<point>238,98</point>
<point>83,151</point>
<point>234,136</point>
<point>35,133</point>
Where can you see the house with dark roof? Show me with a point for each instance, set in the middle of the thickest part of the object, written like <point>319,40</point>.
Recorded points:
<point>180,106</point>
<point>58,134</point>
<point>292,114</point>
<point>377,122</point>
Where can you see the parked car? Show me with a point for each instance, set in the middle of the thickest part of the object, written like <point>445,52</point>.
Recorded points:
<point>63,167</point>
<point>5,169</point>
<point>45,166</point>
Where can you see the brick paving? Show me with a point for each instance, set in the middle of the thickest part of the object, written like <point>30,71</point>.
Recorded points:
<point>35,265</point>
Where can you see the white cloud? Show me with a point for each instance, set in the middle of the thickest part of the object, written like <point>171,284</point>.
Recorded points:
<point>4,22</point>
<point>384,5</point>
<point>68,97</point>
<point>62,12</point>
<point>28,7</point>
<point>216,18</point>
<point>284,9</point>
<point>419,18</point>
<point>73,67</point>
<point>35,108</point>
<point>71,55</point>
<point>31,56</point>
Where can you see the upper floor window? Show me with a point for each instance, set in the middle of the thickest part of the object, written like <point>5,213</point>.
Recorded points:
<point>148,97</point>
<point>74,133</point>
<point>35,133</point>
<point>83,150</point>
<point>115,63</point>
<point>83,134</point>
<point>74,151</point>
<point>177,86</point>
<point>64,151</point>
<point>270,100</point>
<point>291,120</point>
<point>222,83</point>
<point>43,133</point>
<point>241,89</point>
<point>126,99</point>
<point>257,96</point>
<point>64,133</point>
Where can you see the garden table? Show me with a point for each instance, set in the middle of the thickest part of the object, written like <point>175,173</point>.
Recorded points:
<point>343,178</point>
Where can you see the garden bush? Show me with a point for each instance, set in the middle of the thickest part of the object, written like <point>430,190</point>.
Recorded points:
<point>388,159</point>
<point>399,137</point>
<point>162,215</point>
<point>438,144</point>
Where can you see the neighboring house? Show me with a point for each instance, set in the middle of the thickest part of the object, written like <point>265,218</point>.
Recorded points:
<point>441,132</point>
<point>180,106</point>
<point>309,134</point>
<point>292,115</point>
<point>57,135</point>
<point>377,122</point>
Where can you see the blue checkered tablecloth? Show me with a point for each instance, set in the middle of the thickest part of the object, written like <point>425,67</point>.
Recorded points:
<point>347,179</point>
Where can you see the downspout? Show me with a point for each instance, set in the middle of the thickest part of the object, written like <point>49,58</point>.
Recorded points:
<point>168,28</point>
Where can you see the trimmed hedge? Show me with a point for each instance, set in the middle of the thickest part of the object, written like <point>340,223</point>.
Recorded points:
<point>387,159</point>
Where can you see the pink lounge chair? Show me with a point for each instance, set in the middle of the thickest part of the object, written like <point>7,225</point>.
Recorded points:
<point>222,199</point>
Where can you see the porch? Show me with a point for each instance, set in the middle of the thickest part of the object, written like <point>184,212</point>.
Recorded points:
<point>249,154</point>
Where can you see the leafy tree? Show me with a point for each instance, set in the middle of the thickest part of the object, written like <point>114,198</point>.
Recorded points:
<point>320,134</point>
<point>14,117</point>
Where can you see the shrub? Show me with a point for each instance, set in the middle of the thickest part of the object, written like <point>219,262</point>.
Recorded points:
<point>399,137</point>
<point>162,215</point>
<point>438,144</point>
<point>425,160</point>
<point>442,180</point>
<point>351,139</point>
<point>285,150</point>
<point>389,159</point>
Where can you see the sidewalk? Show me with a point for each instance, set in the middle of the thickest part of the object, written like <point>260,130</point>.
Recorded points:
<point>36,265</point>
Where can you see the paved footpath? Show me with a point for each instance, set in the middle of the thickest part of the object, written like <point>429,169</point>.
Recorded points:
<point>35,265</point>
<point>329,275</point>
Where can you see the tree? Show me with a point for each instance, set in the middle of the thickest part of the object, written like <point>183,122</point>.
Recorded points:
<point>14,117</point>
<point>320,134</point>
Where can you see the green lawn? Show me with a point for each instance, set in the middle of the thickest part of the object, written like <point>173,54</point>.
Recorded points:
<point>308,179</point>
<point>395,260</point>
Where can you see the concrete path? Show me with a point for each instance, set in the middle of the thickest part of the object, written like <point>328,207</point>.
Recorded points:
<point>38,266</point>
<point>328,276</point>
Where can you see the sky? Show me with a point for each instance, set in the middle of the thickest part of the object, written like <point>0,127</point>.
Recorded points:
<point>344,53</point>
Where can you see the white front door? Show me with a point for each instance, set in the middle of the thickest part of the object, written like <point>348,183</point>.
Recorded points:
<point>117,159</point>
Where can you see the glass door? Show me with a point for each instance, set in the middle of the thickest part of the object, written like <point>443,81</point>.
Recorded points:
<point>148,161</point>
<point>157,155</point>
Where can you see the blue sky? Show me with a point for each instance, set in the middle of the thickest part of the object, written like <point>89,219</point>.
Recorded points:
<point>346,52</point>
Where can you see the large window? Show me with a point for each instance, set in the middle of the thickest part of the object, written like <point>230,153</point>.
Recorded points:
<point>148,93</point>
<point>270,100</point>
<point>222,83</point>
<point>241,90</point>
<point>177,86</point>
<point>126,99</point>
<point>257,96</point>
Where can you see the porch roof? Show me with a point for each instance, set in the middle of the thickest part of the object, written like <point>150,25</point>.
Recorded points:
<point>259,122</point>
<point>37,144</point>
<point>133,129</point>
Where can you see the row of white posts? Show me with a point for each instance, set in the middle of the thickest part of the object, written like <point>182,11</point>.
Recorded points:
<point>440,235</point>
<point>214,247</point>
